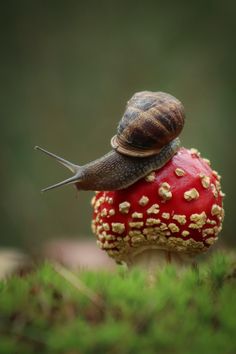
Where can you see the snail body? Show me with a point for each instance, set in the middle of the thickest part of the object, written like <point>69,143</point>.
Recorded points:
<point>97,174</point>
<point>147,137</point>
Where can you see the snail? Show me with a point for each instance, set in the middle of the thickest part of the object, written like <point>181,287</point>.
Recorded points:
<point>146,139</point>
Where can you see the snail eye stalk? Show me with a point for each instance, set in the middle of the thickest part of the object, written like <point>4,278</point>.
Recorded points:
<point>72,167</point>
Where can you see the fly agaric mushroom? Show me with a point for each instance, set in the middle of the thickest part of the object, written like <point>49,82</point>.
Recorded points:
<point>172,214</point>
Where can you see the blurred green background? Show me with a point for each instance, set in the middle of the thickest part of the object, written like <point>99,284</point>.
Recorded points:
<point>67,70</point>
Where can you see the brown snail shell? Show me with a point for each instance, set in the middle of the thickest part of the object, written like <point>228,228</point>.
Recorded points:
<point>151,120</point>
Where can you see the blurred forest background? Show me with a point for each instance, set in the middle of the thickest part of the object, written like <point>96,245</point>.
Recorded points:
<point>67,70</point>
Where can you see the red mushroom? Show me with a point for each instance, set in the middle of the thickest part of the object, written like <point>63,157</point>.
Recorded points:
<point>172,214</point>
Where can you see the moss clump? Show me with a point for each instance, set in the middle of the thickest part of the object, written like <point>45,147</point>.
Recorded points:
<point>122,312</point>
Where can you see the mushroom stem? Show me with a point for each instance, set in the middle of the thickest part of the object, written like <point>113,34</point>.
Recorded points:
<point>154,259</point>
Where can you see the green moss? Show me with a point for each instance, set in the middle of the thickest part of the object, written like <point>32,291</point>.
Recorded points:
<point>191,312</point>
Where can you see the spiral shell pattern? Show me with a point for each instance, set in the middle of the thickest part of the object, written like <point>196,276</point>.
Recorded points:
<point>151,120</point>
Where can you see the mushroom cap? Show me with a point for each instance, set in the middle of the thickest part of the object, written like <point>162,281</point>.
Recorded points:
<point>177,208</point>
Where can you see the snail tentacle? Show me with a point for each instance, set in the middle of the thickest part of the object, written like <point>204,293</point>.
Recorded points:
<point>72,167</point>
